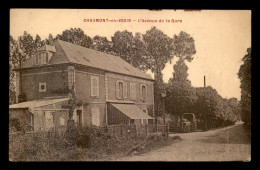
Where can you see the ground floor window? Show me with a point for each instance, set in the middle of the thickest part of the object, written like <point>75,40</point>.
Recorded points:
<point>79,117</point>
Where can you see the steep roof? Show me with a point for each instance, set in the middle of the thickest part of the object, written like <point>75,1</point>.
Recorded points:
<point>72,53</point>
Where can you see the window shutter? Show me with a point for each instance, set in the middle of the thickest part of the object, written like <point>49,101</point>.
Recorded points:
<point>117,89</point>
<point>132,91</point>
<point>97,85</point>
<point>47,58</point>
<point>145,92</point>
<point>124,90</point>
<point>42,58</point>
<point>92,85</point>
<point>141,92</point>
<point>36,57</point>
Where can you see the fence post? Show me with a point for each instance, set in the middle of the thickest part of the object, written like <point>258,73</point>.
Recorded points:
<point>167,129</point>
<point>146,129</point>
<point>135,130</point>
<point>113,130</point>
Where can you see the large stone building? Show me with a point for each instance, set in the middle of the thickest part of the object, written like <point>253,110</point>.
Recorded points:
<point>110,90</point>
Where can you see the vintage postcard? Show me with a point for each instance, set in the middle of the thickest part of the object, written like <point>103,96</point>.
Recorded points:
<point>129,85</point>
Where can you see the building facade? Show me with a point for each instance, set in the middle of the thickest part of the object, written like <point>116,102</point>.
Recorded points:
<point>110,90</point>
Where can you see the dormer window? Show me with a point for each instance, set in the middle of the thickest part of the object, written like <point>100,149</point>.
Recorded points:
<point>42,58</point>
<point>44,54</point>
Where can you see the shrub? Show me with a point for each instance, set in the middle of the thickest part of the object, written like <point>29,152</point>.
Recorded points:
<point>92,143</point>
<point>40,148</point>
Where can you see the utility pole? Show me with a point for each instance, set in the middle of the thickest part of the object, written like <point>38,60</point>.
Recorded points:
<point>204,81</point>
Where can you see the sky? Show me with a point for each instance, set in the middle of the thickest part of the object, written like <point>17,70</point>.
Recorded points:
<point>221,36</point>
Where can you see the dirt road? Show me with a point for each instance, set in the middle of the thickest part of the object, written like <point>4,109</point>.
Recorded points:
<point>226,144</point>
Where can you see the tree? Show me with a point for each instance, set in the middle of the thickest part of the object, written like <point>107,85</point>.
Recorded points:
<point>49,40</point>
<point>76,36</point>
<point>208,106</point>
<point>12,48</point>
<point>26,46</point>
<point>19,51</point>
<point>130,48</point>
<point>181,97</point>
<point>158,50</point>
<point>158,53</point>
<point>234,104</point>
<point>38,43</point>
<point>73,103</point>
<point>244,75</point>
<point>180,74</point>
<point>212,109</point>
<point>102,44</point>
<point>184,46</point>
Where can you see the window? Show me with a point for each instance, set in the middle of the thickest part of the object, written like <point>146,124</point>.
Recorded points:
<point>132,91</point>
<point>143,92</point>
<point>121,89</point>
<point>41,58</point>
<point>42,87</point>
<point>94,86</point>
<point>79,117</point>
<point>95,116</point>
<point>71,76</point>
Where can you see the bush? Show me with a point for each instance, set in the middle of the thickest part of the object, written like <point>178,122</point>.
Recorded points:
<point>92,143</point>
<point>39,148</point>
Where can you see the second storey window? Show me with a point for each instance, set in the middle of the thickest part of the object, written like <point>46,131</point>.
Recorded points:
<point>41,58</point>
<point>94,86</point>
<point>143,91</point>
<point>121,89</point>
<point>120,95</point>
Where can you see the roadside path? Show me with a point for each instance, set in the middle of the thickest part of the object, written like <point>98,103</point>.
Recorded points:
<point>226,144</point>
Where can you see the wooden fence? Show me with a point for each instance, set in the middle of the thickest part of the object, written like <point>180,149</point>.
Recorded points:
<point>121,130</point>
<point>137,130</point>
<point>48,134</point>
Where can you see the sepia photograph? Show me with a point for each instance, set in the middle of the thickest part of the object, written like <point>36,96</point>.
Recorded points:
<point>129,85</point>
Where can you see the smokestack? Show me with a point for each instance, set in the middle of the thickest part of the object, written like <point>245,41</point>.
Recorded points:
<point>204,81</point>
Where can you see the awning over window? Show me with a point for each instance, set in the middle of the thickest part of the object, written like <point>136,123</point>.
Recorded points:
<point>132,111</point>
